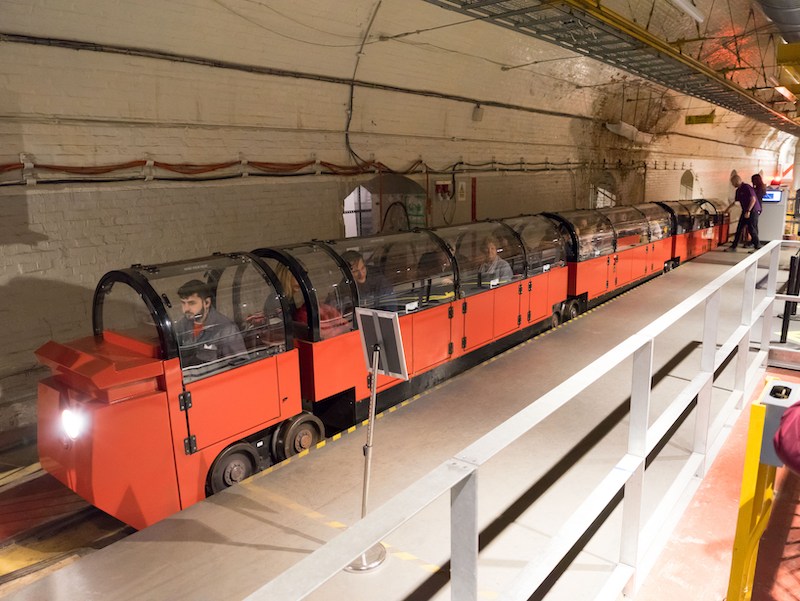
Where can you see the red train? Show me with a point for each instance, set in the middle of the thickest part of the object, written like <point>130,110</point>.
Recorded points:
<point>202,372</point>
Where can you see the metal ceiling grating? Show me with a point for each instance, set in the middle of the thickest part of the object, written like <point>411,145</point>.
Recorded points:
<point>600,34</point>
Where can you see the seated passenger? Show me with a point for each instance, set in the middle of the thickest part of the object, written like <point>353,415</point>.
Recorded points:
<point>205,335</point>
<point>374,290</point>
<point>493,267</point>
<point>331,322</point>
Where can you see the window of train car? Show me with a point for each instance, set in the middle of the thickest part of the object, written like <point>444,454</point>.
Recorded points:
<point>399,272</point>
<point>224,312</point>
<point>715,209</point>
<point>544,245</point>
<point>683,218</point>
<point>630,225</point>
<point>333,293</point>
<point>126,313</point>
<point>700,216</point>
<point>594,232</point>
<point>488,255</point>
<point>255,307</point>
<point>658,219</point>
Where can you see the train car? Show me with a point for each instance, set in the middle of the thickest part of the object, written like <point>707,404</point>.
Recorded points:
<point>452,298</point>
<point>190,383</point>
<point>659,252</point>
<point>693,227</point>
<point>589,255</point>
<point>613,248</point>
<point>201,372</point>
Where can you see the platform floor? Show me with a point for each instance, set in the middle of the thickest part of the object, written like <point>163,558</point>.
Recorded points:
<point>229,545</point>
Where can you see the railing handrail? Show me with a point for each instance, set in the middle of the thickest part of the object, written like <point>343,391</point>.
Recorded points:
<point>314,570</point>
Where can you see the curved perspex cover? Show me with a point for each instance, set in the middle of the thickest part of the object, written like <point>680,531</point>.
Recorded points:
<point>214,313</point>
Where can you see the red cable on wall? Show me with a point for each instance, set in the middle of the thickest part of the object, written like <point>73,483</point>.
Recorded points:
<point>189,169</point>
<point>96,170</point>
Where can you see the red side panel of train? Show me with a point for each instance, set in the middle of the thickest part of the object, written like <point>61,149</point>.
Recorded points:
<point>590,277</point>
<point>430,347</point>
<point>229,407</point>
<point>661,253</point>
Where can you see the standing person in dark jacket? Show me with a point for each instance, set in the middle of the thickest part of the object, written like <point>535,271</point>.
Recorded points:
<point>746,197</point>
<point>204,334</point>
<point>760,189</point>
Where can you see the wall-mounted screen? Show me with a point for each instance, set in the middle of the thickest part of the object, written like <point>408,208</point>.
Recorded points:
<point>775,195</point>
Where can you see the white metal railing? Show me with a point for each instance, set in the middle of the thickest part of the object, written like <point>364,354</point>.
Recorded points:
<point>458,475</point>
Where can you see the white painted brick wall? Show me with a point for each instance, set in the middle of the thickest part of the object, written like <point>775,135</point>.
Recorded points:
<point>87,108</point>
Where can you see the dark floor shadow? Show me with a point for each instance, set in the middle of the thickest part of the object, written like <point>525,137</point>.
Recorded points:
<point>15,221</point>
<point>33,311</point>
<point>774,554</point>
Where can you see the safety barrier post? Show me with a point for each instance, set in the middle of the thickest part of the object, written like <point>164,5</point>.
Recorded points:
<point>464,539</point>
<point>790,308</point>
<point>758,482</point>
<point>702,422</point>
<point>637,447</point>
<point>772,290</point>
<point>748,296</point>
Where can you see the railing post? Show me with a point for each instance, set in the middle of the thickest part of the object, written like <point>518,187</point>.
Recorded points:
<point>637,446</point>
<point>464,539</point>
<point>788,306</point>
<point>709,350</point>
<point>772,288</point>
<point>748,294</point>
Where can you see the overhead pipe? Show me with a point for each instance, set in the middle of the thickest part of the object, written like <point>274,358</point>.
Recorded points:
<point>786,16</point>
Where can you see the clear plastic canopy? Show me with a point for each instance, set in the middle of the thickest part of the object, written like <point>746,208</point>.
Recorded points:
<point>684,220</point>
<point>701,217</point>
<point>398,272</point>
<point>630,225</point>
<point>488,254</point>
<point>659,220</point>
<point>717,210</point>
<point>594,234</point>
<point>545,247</point>
<point>216,313</point>
<point>317,287</point>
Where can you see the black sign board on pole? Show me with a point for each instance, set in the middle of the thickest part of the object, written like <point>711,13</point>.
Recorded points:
<point>382,328</point>
<point>383,354</point>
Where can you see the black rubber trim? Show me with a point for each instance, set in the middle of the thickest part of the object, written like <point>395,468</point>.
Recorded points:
<point>134,279</point>
<point>306,287</point>
<point>270,275</point>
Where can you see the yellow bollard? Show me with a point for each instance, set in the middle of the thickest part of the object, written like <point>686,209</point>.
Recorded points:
<point>755,506</point>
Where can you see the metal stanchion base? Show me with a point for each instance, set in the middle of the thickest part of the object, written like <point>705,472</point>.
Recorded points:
<point>368,560</point>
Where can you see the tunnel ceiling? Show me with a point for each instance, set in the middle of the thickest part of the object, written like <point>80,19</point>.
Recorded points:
<point>727,60</point>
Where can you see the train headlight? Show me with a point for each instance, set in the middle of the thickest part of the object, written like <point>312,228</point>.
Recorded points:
<point>72,422</point>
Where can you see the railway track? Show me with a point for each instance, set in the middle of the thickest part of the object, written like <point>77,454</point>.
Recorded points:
<point>44,526</point>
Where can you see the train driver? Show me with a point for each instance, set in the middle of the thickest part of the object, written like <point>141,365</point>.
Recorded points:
<point>204,334</point>
<point>374,290</point>
<point>493,267</point>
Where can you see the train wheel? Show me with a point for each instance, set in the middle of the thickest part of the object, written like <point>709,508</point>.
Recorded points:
<point>231,467</point>
<point>297,434</point>
<point>555,320</point>
<point>573,310</point>
<point>667,266</point>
